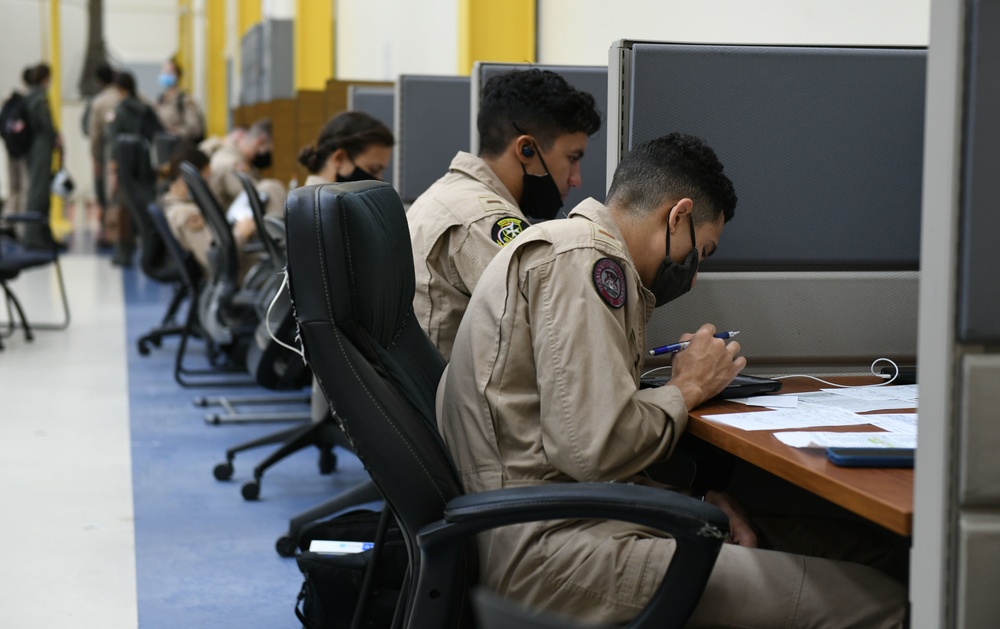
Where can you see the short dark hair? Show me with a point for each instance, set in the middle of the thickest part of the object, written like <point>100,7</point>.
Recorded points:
<point>28,75</point>
<point>185,153</point>
<point>353,131</point>
<point>261,128</point>
<point>178,70</point>
<point>673,166</point>
<point>40,73</point>
<point>104,73</point>
<point>126,81</point>
<point>535,102</point>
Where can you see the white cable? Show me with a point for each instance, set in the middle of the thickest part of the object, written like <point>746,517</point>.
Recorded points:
<point>267,318</point>
<point>832,384</point>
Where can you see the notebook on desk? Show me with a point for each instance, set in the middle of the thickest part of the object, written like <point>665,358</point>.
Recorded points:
<point>741,386</point>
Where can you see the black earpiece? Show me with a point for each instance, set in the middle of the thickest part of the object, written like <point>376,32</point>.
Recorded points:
<point>527,151</point>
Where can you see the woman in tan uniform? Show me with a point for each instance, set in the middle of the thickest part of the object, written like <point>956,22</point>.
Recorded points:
<point>352,146</point>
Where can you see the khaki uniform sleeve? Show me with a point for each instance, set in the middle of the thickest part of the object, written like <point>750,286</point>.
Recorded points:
<point>596,423</point>
<point>477,247</point>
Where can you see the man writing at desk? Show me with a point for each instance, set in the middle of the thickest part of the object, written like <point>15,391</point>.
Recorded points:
<point>543,386</point>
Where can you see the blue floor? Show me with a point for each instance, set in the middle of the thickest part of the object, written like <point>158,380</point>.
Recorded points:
<point>204,556</point>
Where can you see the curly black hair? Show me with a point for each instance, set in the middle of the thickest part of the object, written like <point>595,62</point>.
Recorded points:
<point>536,102</point>
<point>675,166</point>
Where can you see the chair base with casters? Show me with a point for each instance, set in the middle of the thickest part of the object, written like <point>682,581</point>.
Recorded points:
<point>168,325</point>
<point>320,434</point>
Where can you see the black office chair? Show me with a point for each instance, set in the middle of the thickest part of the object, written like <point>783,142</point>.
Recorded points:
<point>351,276</point>
<point>137,180</point>
<point>15,258</point>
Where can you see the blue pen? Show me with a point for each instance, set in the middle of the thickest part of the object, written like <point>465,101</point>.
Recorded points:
<point>676,347</point>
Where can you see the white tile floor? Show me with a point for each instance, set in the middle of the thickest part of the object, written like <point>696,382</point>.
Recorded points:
<point>67,552</point>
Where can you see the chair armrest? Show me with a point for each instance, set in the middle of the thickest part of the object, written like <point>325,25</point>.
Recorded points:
<point>698,529</point>
<point>24,217</point>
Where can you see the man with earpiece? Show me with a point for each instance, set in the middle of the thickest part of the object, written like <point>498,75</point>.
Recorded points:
<point>533,130</point>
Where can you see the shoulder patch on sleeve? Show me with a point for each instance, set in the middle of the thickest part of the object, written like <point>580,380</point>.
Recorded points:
<point>507,229</point>
<point>491,203</point>
<point>609,280</point>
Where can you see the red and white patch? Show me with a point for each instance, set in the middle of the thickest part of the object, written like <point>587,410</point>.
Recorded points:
<point>609,280</point>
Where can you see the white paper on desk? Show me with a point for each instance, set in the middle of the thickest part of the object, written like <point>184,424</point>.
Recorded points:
<point>790,418</point>
<point>891,392</point>
<point>847,439</point>
<point>853,404</point>
<point>902,423</point>
<point>769,401</point>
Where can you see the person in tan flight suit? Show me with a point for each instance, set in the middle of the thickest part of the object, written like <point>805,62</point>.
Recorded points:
<point>543,387</point>
<point>533,129</point>
<point>250,152</point>
<point>178,111</point>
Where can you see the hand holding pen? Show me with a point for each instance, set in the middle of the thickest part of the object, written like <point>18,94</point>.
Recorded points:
<point>676,347</point>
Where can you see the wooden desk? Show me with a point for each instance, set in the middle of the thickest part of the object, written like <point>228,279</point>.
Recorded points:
<point>884,496</point>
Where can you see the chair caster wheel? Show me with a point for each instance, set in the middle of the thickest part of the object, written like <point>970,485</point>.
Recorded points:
<point>157,341</point>
<point>327,462</point>
<point>213,419</point>
<point>223,471</point>
<point>143,349</point>
<point>250,490</point>
<point>285,546</point>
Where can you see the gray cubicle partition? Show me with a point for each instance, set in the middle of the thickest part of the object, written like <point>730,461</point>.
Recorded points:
<point>432,124</point>
<point>825,149</point>
<point>593,79</point>
<point>377,102</point>
<point>266,62</point>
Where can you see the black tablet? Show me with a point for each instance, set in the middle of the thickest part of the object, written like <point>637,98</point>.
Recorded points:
<point>741,386</point>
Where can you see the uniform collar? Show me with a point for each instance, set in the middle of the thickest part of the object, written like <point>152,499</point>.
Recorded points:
<point>313,180</point>
<point>474,167</point>
<point>597,213</point>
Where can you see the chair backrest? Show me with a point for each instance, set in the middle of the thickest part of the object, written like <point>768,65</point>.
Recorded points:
<point>224,257</point>
<point>190,272</point>
<point>350,271</point>
<point>138,183</point>
<point>274,250</point>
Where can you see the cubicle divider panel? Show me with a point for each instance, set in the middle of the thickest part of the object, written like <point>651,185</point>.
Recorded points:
<point>285,137</point>
<point>377,102</point>
<point>431,125</point>
<point>592,79</point>
<point>825,148</point>
<point>310,117</point>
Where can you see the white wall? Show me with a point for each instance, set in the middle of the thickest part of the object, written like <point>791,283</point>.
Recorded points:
<point>381,39</point>
<point>581,31</point>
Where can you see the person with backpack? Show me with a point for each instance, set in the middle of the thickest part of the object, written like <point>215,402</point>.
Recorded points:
<point>17,140</point>
<point>131,115</point>
<point>178,111</point>
<point>45,140</point>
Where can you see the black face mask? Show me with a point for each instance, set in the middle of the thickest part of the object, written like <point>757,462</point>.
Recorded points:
<point>672,279</point>
<point>540,196</point>
<point>262,161</point>
<point>358,174</point>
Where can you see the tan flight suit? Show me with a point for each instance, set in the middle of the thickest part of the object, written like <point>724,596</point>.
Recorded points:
<point>543,387</point>
<point>181,115</point>
<point>188,227</point>
<point>226,160</point>
<point>226,186</point>
<point>457,226</point>
<point>101,110</point>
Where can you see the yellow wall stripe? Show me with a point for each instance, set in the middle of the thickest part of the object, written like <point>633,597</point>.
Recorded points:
<point>314,47</point>
<point>57,221</point>
<point>185,43</point>
<point>495,31</point>
<point>217,98</point>
<point>249,13</point>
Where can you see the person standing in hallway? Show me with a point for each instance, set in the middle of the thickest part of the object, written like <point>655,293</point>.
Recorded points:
<point>45,140</point>
<point>178,111</point>
<point>101,108</point>
<point>17,165</point>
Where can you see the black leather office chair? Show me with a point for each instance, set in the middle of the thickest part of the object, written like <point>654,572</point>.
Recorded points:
<point>137,180</point>
<point>351,275</point>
